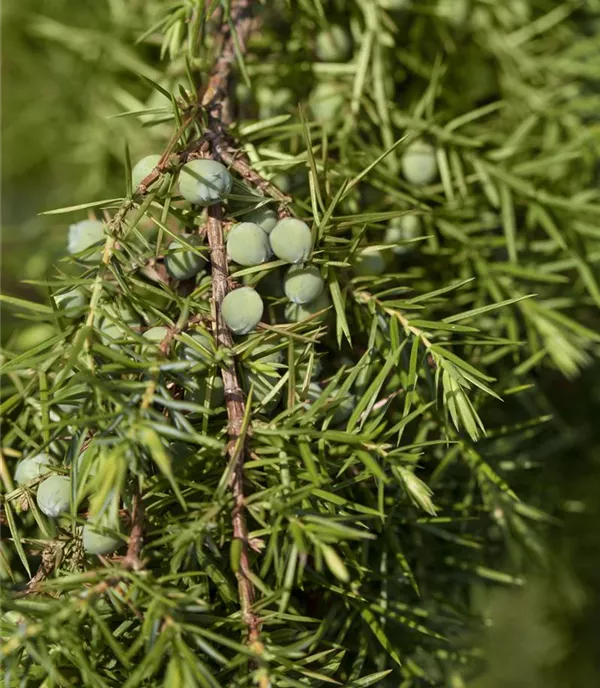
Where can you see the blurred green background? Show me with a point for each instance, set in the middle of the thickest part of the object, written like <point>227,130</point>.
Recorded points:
<point>68,68</point>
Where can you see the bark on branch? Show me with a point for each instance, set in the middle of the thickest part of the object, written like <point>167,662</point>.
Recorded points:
<point>216,102</point>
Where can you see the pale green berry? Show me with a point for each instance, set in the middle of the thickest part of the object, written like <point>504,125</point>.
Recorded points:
<point>264,216</point>
<point>313,392</point>
<point>70,399</point>
<point>303,284</point>
<point>29,337</point>
<point>334,44</point>
<point>207,391</point>
<point>181,262</point>
<point>84,234</point>
<point>71,302</point>
<point>202,352</point>
<point>151,293</point>
<point>142,169</point>
<point>273,101</point>
<point>291,240</point>
<point>369,264</point>
<point>295,312</point>
<point>117,325</point>
<point>326,102</point>
<point>264,353</point>
<point>419,163</point>
<point>344,409</point>
<point>155,336</point>
<point>402,229</point>
<point>242,310</point>
<point>54,495</point>
<point>204,182</point>
<point>95,541</point>
<point>282,182</point>
<point>248,244</point>
<point>32,467</point>
<point>263,385</point>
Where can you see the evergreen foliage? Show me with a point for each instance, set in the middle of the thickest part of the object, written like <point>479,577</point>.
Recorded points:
<point>319,499</point>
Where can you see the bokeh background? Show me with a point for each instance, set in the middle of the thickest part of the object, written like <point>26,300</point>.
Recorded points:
<point>68,68</point>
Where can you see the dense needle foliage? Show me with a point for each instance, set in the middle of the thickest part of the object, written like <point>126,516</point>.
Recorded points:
<point>390,426</point>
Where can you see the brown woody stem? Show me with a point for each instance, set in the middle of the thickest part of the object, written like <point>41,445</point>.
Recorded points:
<point>215,100</point>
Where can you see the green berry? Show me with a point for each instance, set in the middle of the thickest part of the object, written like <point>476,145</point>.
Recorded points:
<point>264,216</point>
<point>71,399</point>
<point>419,163</point>
<point>326,102</point>
<point>369,264</point>
<point>242,310</point>
<point>204,182</point>
<point>207,392</point>
<point>142,169</point>
<point>31,336</point>
<point>71,302</point>
<point>95,542</point>
<point>181,262</point>
<point>295,312</point>
<point>264,353</point>
<point>282,182</point>
<point>32,467</point>
<point>291,240</point>
<point>303,284</point>
<point>151,293</point>
<point>117,324</point>
<point>248,244</point>
<point>263,385</point>
<point>155,336</point>
<point>273,101</point>
<point>84,234</point>
<point>54,495</point>
<point>202,352</point>
<point>344,409</point>
<point>402,229</point>
<point>333,44</point>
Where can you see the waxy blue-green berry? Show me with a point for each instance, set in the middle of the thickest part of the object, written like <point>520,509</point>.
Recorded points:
<point>295,312</point>
<point>291,240</point>
<point>264,216</point>
<point>334,44</point>
<point>71,302</point>
<point>95,541</point>
<point>142,169</point>
<point>181,262</point>
<point>83,235</point>
<point>402,229</point>
<point>204,182</point>
<point>369,264</point>
<point>242,310</point>
<point>419,163</point>
<point>207,391</point>
<point>54,495</point>
<point>326,102</point>
<point>248,244</point>
<point>303,284</point>
<point>32,467</point>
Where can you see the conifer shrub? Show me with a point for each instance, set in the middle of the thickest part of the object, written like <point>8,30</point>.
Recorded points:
<point>302,456</point>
